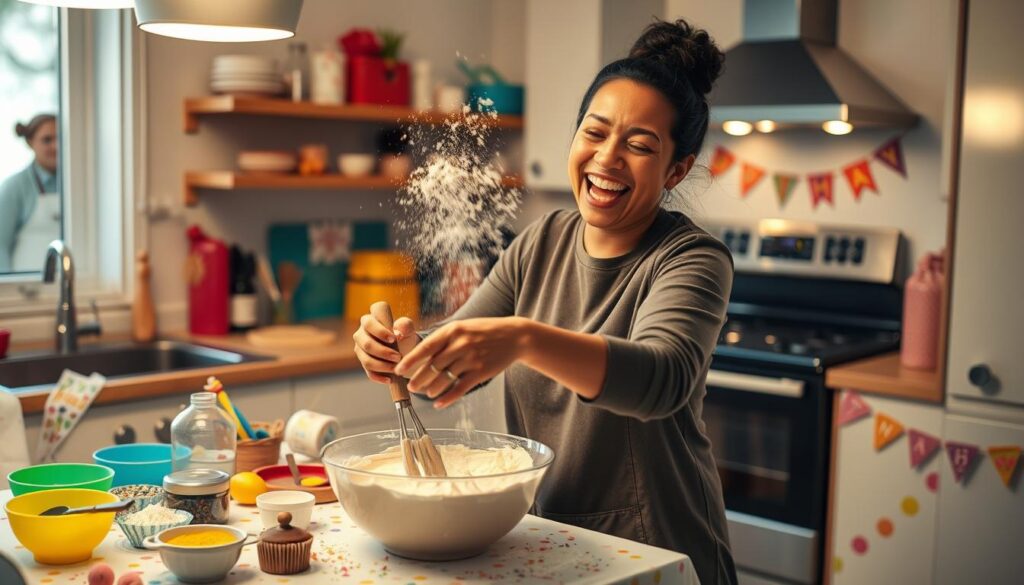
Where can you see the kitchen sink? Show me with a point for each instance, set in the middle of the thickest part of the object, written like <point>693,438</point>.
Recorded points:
<point>25,372</point>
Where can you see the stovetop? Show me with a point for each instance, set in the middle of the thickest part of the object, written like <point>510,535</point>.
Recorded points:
<point>805,345</point>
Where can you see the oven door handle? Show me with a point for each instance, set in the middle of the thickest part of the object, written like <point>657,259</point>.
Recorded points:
<point>787,387</point>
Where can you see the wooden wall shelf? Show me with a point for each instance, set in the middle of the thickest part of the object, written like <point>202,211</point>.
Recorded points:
<point>231,180</point>
<point>884,375</point>
<point>257,106</point>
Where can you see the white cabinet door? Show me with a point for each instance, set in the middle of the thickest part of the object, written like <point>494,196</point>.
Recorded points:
<point>981,521</point>
<point>359,404</point>
<point>100,423</point>
<point>987,315</point>
<point>563,52</point>
<point>884,512</point>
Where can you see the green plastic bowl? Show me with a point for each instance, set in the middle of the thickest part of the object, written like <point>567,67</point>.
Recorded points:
<point>52,476</point>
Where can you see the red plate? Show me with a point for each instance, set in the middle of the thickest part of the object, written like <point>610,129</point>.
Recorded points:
<point>279,478</point>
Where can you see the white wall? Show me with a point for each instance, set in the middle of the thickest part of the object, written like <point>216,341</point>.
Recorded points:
<point>905,45</point>
<point>437,30</point>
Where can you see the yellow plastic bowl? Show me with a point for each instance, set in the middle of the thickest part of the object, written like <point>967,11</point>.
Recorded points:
<point>60,540</point>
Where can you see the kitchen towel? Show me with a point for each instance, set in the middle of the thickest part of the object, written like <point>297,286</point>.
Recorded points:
<point>13,445</point>
<point>65,406</point>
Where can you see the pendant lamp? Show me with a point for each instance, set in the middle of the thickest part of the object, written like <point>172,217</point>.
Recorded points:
<point>83,3</point>
<point>228,21</point>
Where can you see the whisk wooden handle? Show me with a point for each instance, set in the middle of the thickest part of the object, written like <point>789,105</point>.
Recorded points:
<point>381,311</point>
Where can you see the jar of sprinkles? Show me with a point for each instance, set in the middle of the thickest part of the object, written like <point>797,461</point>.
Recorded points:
<point>201,492</point>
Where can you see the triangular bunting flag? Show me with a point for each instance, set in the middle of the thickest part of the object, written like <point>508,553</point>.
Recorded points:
<point>821,188</point>
<point>887,430</point>
<point>891,154</point>
<point>922,447</point>
<point>750,176</point>
<point>784,185</point>
<point>961,458</point>
<point>1005,459</point>
<point>721,160</point>
<point>859,176</point>
<point>851,407</point>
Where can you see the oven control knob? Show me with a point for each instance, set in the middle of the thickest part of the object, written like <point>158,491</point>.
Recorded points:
<point>124,435</point>
<point>981,376</point>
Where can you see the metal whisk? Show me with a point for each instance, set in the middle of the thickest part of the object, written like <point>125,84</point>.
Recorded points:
<point>419,455</point>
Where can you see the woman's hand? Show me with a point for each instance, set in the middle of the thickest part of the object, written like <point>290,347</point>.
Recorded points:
<point>371,345</point>
<point>471,351</point>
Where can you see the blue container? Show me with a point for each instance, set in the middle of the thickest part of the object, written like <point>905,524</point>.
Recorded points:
<point>506,99</point>
<point>138,462</point>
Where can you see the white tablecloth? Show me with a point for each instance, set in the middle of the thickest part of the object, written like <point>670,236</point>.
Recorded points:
<point>536,551</point>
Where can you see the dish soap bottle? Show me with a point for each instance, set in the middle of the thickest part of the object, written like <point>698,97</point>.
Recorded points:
<point>203,437</point>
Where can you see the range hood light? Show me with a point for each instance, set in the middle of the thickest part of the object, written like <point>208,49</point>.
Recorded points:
<point>737,127</point>
<point>765,126</point>
<point>229,21</point>
<point>837,127</point>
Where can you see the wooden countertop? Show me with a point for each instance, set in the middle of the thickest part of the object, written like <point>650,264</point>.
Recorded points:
<point>286,363</point>
<point>883,374</point>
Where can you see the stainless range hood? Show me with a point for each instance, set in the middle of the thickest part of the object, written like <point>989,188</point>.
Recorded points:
<point>789,71</point>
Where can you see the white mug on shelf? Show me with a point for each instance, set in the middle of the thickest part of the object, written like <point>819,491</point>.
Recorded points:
<point>449,98</point>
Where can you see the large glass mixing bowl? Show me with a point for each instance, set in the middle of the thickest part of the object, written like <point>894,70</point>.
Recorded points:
<point>434,518</point>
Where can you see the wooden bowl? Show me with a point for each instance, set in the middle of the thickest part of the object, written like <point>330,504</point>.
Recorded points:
<point>253,453</point>
<point>279,478</point>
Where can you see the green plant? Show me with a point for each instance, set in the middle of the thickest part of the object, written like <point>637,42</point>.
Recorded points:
<point>390,43</point>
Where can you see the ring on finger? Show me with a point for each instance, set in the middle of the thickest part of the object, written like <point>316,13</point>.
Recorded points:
<point>451,376</point>
<point>434,369</point>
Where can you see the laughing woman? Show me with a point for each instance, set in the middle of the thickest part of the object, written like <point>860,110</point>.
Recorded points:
<point>604,320</point>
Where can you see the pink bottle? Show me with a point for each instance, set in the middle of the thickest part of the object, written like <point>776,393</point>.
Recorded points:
<point>208,287</point>
<point>922,306</point>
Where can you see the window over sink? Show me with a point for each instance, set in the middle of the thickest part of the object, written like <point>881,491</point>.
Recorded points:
<point>68,86</point>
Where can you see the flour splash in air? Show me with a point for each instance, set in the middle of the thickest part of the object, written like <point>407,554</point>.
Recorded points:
<point>455,210</point>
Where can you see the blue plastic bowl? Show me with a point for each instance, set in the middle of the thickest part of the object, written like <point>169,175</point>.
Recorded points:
<point>138,462</point>
<point>507,99</point>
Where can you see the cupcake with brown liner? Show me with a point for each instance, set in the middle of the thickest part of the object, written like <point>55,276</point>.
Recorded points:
<point>284,549</point>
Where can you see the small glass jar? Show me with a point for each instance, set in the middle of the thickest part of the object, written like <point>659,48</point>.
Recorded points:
<point>202,492</point>
<point>203,437</point>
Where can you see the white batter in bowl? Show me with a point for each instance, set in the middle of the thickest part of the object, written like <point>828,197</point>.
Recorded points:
<point>491,484</point>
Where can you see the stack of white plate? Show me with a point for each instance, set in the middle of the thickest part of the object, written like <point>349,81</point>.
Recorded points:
<point>245,74</point>
<point>267,161</point>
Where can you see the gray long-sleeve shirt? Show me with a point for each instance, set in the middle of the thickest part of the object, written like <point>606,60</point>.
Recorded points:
<point>634,462</point>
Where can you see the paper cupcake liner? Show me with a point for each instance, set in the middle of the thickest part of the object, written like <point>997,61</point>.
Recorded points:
<point>284,559</point>
<point>136,533</point>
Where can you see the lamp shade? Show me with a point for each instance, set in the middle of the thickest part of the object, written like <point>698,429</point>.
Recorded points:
<point>231,21</point>
<point>84,3</point>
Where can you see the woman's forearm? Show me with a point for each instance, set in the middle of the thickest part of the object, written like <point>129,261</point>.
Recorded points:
<point>578,361</point>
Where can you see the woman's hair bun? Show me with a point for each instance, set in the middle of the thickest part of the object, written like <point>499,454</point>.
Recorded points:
<point>21,130</point>
<point>681,46</point>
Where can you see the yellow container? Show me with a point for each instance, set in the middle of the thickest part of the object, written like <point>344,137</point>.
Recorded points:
<point>60,540</point>
<point>382,275</point>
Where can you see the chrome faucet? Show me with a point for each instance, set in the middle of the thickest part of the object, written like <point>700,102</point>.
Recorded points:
<point>59,255</point>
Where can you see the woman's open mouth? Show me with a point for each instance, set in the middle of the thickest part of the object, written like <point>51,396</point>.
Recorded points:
<point>604,192</point>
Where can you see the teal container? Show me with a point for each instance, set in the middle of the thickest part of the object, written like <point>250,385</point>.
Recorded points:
<point>138,462</point>
<point>506,99</point>
<point>52,476</point>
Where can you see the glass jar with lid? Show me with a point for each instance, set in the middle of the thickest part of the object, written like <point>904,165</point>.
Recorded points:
<point>201,492</point>
<point>205,435</point>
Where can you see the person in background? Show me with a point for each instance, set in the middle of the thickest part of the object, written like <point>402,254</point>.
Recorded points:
<point>30,210</point>
<point>604,319</point>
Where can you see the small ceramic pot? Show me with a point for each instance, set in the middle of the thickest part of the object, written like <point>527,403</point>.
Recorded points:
<point>199,564</point>
<point>298,504</point>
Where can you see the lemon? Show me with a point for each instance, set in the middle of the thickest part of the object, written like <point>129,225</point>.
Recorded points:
<point>245,486</point>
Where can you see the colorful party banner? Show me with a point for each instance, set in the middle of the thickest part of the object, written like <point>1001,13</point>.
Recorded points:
<point>887,430</point>
<point>750,176</point>
<point>859,176</point>
<point>784,185</point>
<point>1005,459</point>
<point>922,447</point>
<point>961,458</point>
<point>721,161</point>
<point>891,154</point>
<point>821,188</point>
<point>852,407</point>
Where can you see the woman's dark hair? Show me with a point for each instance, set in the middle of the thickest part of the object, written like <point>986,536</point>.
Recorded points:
<point>680,61</point>
<point>28,131</point>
